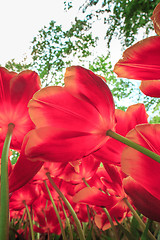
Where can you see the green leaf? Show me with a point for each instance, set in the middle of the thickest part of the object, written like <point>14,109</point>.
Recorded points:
<point>144,235</point>
<point>126,232</point>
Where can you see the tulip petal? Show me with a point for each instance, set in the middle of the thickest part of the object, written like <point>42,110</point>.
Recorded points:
<point>146,203</point>
<point>23,86</point>
<point>85,102</point>
<point>55,106</point>
<point>115,182</point>
<point>50,144</point>
<point>111,151</point>
<point>95,197</point>
<point>70,124</point>
<point>28,194</point>
<point>156,20</point>
<point>141,61</point>
<point>24,170</point>
<point>86,169</point>
<point>137,165</point>
<point>151,88</point>
<point>15,92</point>
<point>84,84</point>
<point>5,77</point>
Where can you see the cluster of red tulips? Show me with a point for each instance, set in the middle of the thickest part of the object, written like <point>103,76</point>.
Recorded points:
<point>81,161</point>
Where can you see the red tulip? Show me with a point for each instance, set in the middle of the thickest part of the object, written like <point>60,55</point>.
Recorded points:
<point>111,151</point>
<point>144,170</point>
<point>101,219</point>
<point>141,61</point>
<point>86,168</point>
<point>112,198</point>
<point>25,195</point>
<point>15,92</point>
<point>71,121</point>
<point>48,222</point>
<point>94,181</point>
<point>54,168</point>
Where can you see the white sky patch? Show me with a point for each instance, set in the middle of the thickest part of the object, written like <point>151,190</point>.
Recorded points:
<point>21,20</point>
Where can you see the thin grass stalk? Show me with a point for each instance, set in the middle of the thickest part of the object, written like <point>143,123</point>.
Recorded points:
<point>76,220</point>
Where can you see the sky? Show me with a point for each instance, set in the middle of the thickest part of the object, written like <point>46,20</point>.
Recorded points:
<point>21,20</point>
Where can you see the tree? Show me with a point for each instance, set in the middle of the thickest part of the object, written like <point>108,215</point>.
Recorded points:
<point>124,18</point>
<point>53,48</point>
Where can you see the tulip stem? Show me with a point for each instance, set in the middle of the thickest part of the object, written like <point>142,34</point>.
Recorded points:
<point>107,214</point>
<point>134,145</point>
<point>141,223</point>
<point>67,221</point>
<point>76,220</point>
<point>85,182</point>
<point>4,201</point>
<point>111,222</point>
<point>56,211</point>
<point>30,221</point>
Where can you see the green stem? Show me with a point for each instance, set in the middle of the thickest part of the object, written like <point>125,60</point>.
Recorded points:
<point>134,145</point>
<point>111,222</point>
<point>76,220</point>
<point>4,211</point>
<point>139,220</point>
<point>90,223</point>
<point>30,221</point>
<point>56,211</point>
<point>85,182</point>
<point>107,214</point>
<point>67,221</point>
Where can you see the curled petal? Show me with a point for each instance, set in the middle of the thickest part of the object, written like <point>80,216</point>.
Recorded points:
<point>141,168</point>
<point>141,61</point>
<point>151,88</point>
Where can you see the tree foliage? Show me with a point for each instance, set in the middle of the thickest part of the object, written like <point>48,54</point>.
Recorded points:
<point>53,48</point>
<point>121,88</point>
<point>14,66</point>
<point>124,18</point>
<point>125,91</point>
